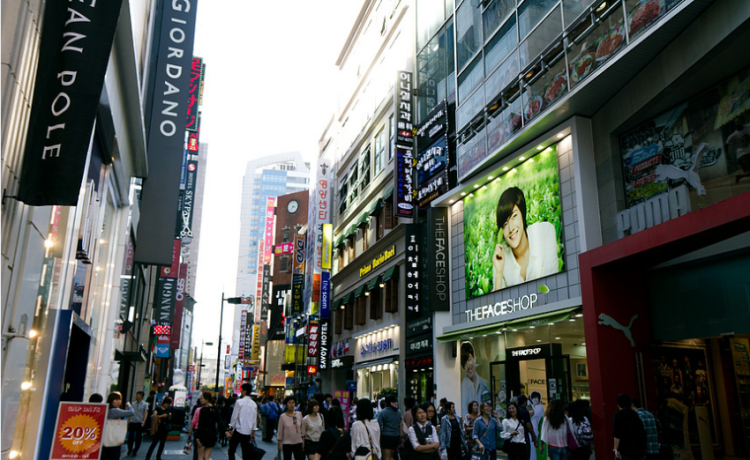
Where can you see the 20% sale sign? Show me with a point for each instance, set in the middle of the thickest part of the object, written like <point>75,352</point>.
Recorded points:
<point>78,435</point>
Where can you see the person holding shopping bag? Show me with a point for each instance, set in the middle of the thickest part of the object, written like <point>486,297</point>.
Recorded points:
<point>513,434</point>
<point>116,427</point>
<point>486,430</point>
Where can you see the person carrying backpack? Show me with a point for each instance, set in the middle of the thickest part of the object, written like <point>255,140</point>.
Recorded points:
<point>629,433</point>
<point>272,412</point>
<point>581,426</point>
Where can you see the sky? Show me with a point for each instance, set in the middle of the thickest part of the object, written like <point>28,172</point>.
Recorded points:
<point>269,88</point>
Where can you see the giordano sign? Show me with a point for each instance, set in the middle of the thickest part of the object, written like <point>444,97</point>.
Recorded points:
<point>386,255</point>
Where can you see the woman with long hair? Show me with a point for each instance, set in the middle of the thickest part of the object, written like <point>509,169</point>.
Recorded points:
<point>472,413</point>
<point>291,433</point>
<point>576,412</point>
<point>486,429</point>
<point>365,431</point>
<point>315,425</point>
<point>205,421</point>
<point>335,442</point>
<point>513,429</point>
<point>555,430</point>
<point>389,420</point>
<point>423,436</point>
<point>451,439</point>
<point>114,401</point>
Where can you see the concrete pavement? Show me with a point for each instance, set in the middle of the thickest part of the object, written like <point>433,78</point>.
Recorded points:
<point>173,450</point>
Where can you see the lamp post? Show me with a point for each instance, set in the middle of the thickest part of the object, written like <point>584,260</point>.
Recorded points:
<point>232,300</point>
<point>200,367</point>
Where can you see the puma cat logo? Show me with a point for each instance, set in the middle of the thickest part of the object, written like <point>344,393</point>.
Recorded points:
<point>606,320</point>
<point>665,172</point>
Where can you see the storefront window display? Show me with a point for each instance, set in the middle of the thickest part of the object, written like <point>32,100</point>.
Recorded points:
<point>547,360</point>
<point>701,146</point>
<point>372,380</point>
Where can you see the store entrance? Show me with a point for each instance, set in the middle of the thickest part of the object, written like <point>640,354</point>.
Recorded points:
<point>549,376</point>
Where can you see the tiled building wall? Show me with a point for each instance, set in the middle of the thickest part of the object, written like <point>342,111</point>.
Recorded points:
<point>563,286</point>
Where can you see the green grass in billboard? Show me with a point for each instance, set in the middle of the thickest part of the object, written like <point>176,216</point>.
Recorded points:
<point>538,179</point>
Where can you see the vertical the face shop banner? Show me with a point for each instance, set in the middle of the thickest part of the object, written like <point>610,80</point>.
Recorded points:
<point>166,130</point>
<point>73,56</point>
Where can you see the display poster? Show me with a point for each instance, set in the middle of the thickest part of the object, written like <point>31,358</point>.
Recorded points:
<point>513,227</point>
<point>344,398</point>
<point>701,144</point>
<point>475,358</point>
<point>78,432</point>
<point>683,376</point>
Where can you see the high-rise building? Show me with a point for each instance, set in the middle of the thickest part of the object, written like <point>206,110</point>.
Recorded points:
<point>190,251</point>
<point>266,177</point>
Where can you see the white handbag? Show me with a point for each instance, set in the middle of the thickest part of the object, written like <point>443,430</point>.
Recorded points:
<point>114,433</point>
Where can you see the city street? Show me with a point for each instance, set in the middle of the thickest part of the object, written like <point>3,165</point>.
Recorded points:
<point>173,450</point>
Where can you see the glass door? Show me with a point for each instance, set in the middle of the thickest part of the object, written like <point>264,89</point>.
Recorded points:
<point>498,388</point>
<point>558,378</point>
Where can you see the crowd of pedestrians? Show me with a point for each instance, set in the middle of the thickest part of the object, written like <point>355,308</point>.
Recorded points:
<point>320,429</point>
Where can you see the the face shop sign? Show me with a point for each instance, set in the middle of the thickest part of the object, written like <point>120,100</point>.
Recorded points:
<point>526,352</point>
<point>374,347</point>
<point>502,308</point>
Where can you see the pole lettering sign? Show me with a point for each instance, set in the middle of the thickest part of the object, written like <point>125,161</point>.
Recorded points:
<point>434,127</point>
<point>283,248</point>
<point>435,261</point>
<point>164,301</point>
<point>327,246</point>
<point>324,343</point>
<point>194,138</point>
<point>325,295</point>
<point>194,94</point>
<point>168,85</point>
<point>256,342</point>
<point>270,214</point>
<point>432,188</point>
<point>173,270</point>
<point>405,162</point>
<point>298,273</point>
<point>243,325</point>
<point>313,338</point>
<point>179,305</point>
<point>73,56</point>
<point>78,431</point>
<point>265,299</point>
<point>413,305</point>
<point>185,211</point>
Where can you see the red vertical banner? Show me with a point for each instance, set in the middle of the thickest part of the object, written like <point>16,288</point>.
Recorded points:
<point>172,271</point>
<point>78,435</point>
<point>316,288</point>
<point>179,304</point>
<point>270,214</point>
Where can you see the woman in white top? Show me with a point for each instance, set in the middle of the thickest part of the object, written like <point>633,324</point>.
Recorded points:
<point>513,429</point>
<point>422,435</point>
<point>527,252</point>
<point>555,430</point>
<point>365,431</point>
<point>315,425</point>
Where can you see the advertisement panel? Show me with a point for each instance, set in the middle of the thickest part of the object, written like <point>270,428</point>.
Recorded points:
<point>513,229</point>
<point>327,246</point>
<point>405,162</point>
<point>266,292</point>
<point>78,431</point>
<point>194,93</point>
<point>69,77</point>
<point>411,266</point>
<point>283,248</point>
<point>298,273</point>
<point>435,262</point>
<point>164,300</point>
<point>324,343</point>
<point>404,178</point>
<point>184,227</point>
<point>256,343</point>
<point>179,305</point>
<point>325,295</point>
<point>313,338</point>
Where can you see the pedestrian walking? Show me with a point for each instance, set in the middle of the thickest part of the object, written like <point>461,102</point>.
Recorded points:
<point>581,425</point>
<point>409,403</point>
<point>241,430</point>
<point>629,434</point>
<point>207,419</point>
<point>472,414</point>
<point>273,412</point>
<point>513,430</point>
<point>291,432</point>
<point>423,438</point>
<point>389,420</point>
<point>555,429</point>
<point>651,425</point>
<point>365,432</point>
<point>161,422</point>
<point>114,401</point>
<point>136,423</point>
<point>452,439</point>
<point>486,430</point>
<point>315,425</point>
<point>335,443</point>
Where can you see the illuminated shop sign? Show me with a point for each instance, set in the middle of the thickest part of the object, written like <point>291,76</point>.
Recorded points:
<point>374,347</point>
<point>505,307</point>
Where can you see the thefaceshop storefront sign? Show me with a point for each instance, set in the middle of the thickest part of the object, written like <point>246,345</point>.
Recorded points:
<point>502,308</point>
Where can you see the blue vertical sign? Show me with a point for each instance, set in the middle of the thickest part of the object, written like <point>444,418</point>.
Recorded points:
<point>325,295</point>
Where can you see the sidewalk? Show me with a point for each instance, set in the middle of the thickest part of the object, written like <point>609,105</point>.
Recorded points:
<point>173,450</point>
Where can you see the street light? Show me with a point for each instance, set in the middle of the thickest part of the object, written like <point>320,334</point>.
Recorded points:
<point>200,367</point>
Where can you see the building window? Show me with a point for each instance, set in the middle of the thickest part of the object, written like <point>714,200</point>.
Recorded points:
<point>385,219</point>
<point>361,303</point>
<point>391,295</point>
<point>379,150</point>
<point>349,316</point>
<point>284,264</point>
<point>343,187</point>
<point>392,125</point>
<point>286,234</point>
<point>340,255</point>
<point>353,176</point>
<point>338,321</point>
<point>376,303</point>
<point>365,169</point>
<point>365,237</point>
<point>350,242</point>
